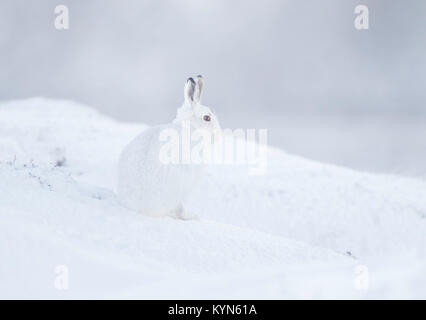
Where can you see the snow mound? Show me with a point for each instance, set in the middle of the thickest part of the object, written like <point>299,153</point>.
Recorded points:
<point>351,212</point>
<point>312,221</point>
<point>50,132</point>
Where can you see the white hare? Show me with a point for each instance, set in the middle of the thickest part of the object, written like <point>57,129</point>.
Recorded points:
<point>148,185</point>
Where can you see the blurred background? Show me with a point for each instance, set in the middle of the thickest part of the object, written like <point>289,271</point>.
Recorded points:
<point>324,89</point>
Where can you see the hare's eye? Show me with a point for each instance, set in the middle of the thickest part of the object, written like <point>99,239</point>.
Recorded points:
<point>206,118</point>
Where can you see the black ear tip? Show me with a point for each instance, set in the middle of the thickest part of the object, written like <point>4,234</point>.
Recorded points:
<point>190,80</point>
<point>200,76</point>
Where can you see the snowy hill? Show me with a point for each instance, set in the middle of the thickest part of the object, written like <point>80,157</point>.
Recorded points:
<point>300,231</point>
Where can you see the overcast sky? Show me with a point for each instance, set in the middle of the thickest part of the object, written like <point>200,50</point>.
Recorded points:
<point>131,58</point>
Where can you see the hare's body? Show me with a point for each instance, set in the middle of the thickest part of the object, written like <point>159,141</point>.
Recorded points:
<point>148,185</point>
<point>147,181</point>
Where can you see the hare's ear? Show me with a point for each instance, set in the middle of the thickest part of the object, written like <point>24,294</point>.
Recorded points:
<point>198,89</point>
<point>189,91</point>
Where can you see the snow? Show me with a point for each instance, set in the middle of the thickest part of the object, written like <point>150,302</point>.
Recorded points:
<point>302,230</point>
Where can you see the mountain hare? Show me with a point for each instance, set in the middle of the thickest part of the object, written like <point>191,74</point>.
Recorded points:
<point>148,184</point>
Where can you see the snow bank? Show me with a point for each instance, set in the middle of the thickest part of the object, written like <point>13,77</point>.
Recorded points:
<point>344,210</point>
<point>297,232</point>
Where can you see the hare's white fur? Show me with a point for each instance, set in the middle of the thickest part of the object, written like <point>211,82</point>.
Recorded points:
<point>149,186</point>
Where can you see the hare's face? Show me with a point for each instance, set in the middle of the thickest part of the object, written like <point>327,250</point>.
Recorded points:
<point>204,118</point>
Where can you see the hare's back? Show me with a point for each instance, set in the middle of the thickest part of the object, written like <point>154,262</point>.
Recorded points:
<point>145,182</point>
<point>142,153</point>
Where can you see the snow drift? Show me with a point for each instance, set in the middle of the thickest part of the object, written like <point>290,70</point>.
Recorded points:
<point>298,231</point>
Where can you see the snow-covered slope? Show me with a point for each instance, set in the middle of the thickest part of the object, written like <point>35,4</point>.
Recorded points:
<point>300,231</point>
